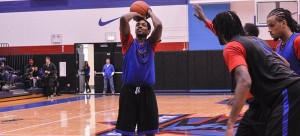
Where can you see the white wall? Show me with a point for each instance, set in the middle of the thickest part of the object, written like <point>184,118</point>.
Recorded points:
<point>92,63</point>
<point>246,11</point>
<point>81,26</point>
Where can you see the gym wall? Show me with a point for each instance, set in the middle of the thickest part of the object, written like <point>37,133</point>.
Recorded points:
<point>78,21</point>
<point>28,26</point>
<point>191,71</point>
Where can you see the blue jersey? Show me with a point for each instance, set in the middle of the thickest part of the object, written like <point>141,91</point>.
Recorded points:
<point>289,54</point>
<point>86,71</point>
<point>138,65</point>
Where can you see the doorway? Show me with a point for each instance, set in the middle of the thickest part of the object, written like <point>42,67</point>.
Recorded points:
<point>96,54</point>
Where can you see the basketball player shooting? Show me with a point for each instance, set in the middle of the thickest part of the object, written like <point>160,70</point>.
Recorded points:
<point>137,103</point>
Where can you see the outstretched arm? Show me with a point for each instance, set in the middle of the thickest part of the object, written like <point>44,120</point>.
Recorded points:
<point>201,16</point>
<point>124,22</point>
<point>157,32</point>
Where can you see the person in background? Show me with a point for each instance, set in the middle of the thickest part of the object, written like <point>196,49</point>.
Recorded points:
<point>7,73</point>
<point>87,70</point>
<point>29,65</point>
<point>35,76</point>
<point>2,78</point>
<point>108,73</point>
<point>282,26</point>
<point>2,59</point>
<point>49,69</point>
<point>30,76</point>
<point>56,87</point>
<point>251,29</point>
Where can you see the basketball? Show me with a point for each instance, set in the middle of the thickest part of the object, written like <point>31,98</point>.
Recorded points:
<point>140,7</point>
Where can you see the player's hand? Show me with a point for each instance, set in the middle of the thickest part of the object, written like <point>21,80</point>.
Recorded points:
<point>200,14</point>
<point>149,12</point>
<point>229,130</point>
<point>138,16</point>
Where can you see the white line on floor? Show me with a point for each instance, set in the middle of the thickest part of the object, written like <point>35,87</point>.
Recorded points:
<point>56,121</point>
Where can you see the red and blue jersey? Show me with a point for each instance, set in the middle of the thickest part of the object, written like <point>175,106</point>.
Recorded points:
<point>138,62</point>
<point>289,51</point>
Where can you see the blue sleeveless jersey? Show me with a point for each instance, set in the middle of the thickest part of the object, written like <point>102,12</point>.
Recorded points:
<point>289,54</point>
<point>138,65</point>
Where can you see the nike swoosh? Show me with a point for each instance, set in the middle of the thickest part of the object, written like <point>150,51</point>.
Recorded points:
<point>101,23</point>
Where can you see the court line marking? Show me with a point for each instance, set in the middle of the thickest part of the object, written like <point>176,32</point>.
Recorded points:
<point>9,116</point>
<point>45,105</point>
<point>57,121</point>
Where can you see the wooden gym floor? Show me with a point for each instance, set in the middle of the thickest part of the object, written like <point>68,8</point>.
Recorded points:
<point>84,115</point>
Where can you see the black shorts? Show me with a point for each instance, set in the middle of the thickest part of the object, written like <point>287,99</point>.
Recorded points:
<point>137,107</point>
<point>285,113</point>
<point>254,122</point>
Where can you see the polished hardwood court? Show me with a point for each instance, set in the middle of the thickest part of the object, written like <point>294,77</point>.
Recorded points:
<point>83,115</point>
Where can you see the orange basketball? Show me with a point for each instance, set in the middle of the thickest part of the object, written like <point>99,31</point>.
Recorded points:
<point>140,7</point>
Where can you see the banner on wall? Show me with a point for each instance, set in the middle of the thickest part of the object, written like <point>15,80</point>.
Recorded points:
<point>62,69</point>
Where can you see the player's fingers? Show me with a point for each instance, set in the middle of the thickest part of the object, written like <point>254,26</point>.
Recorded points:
<point>196,6</point>
<point>196,15</point>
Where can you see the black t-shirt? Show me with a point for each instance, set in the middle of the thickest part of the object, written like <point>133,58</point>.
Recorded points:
<point>270,75</point>
<point>35,73</point>
<point>51,67</point>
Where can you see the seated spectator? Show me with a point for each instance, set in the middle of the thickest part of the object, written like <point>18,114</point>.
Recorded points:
<point>7,73</point>
<point>28,77</point>
<point>2,59</point>
<point>29,65</point>
<point>35,76</point>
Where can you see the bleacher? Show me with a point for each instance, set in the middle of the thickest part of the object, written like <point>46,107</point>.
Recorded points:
<point>20,90</point>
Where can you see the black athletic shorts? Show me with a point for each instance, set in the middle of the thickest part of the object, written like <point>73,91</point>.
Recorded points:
<point>137,108</point>
<point>285,113</point>
<point>255,119</point>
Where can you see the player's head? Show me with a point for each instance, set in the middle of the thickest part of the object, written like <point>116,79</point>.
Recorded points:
<point>31,61</point>
<point>48,59</point>
<point>107,61</point>
<point>251,30</point>
<point>280,21</point>
<point>142,28</point>
<point>227,25</point>
<point>86,63</point>
<point>1,64</point>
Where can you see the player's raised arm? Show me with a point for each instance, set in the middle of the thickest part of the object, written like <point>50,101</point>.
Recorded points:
<point>201,16</point>
<point>124,22</point>
<point>157,32</point>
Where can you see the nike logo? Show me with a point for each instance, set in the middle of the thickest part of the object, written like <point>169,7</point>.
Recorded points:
<point>101,23</point>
